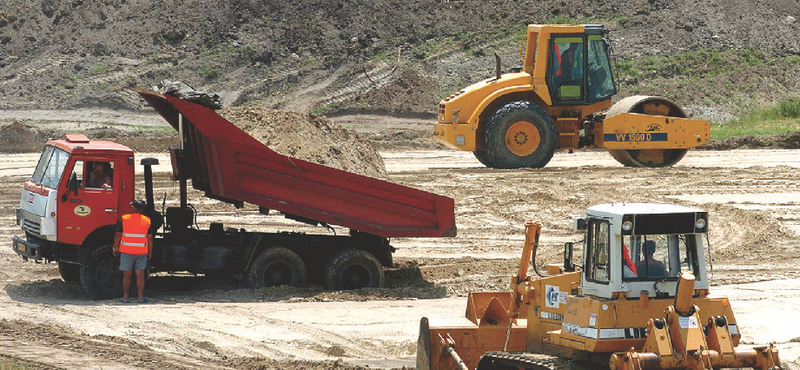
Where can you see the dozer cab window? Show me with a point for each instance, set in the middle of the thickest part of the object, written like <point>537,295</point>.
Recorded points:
<point>656,257</point>
<point>50,167</point>
<point>601,82</point>
<point>597,249</point>
<point>566,68</point>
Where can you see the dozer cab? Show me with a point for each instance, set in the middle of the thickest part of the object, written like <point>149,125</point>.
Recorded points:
<point>559,98</point>
<point>640,301</point>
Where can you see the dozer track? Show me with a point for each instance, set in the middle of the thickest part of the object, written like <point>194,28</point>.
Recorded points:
<point>529,361</point>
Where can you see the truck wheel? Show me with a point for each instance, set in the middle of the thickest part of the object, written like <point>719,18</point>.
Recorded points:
<point>520,134</point>
<point>353,269</point>
<point>100,274</point>
<point>277,266</point>
<point>69,272</point>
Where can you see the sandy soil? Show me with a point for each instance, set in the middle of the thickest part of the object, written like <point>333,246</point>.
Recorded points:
<point>753,197</point>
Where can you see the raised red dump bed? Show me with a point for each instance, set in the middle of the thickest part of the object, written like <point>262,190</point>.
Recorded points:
<point>228,164</point>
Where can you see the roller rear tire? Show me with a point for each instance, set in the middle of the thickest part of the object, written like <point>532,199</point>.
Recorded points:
<point>520,134</point>
<point>481,156</point>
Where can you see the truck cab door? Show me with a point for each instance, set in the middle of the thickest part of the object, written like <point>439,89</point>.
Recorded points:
<point>89,199</point>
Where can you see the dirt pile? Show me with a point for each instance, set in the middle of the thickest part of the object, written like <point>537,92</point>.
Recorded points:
<point>309,137</point>
<point>17,137</point>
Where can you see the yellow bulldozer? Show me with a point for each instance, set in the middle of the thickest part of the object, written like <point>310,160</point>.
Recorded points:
<point>639,301</point>
<point>559,98</point>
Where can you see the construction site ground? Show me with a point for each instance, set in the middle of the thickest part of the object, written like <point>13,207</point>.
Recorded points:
<point>753,197</point>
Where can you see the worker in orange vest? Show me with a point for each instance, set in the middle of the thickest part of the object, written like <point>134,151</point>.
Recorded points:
<point>133,243</point>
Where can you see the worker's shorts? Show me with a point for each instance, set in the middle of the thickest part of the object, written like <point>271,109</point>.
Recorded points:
<point>130,262</point>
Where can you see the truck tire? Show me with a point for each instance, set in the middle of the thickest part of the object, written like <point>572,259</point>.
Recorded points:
<point>277,266</point>
<point>353,269</point>
<point>100,274</point>
<point>520,134</point>
<point>69,272</point>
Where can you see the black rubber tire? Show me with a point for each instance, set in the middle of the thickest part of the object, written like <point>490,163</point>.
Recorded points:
<point>277,266</point>
<point>69,272</point>
<point>100,274</point>
<point>480,155</point>
<point>353,269</point>
<point>498,151</point>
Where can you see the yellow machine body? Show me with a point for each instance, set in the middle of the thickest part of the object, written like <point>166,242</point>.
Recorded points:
<point>577,115</point>
<point>630,323</point>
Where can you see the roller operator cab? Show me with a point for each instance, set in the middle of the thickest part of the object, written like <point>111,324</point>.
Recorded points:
<point>559,98</point>
<point>640,300</point>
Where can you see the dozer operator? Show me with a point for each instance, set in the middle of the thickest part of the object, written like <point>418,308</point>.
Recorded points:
<point>598,312</point>
<point>559,98</point>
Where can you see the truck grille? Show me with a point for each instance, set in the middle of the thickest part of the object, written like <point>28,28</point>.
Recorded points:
<point>31,227</point>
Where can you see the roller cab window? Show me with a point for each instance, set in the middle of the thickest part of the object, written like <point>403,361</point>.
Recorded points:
<point>566,68</point>
<point>601,82</point>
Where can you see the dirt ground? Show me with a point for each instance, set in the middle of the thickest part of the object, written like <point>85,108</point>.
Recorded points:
<point>753,196</point>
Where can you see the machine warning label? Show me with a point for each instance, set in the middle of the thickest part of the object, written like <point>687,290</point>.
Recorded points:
<point>688,322</point>
<point>635,137</point>
<point>83,211</point>
<point>554,297</point>
<point>552,316</point>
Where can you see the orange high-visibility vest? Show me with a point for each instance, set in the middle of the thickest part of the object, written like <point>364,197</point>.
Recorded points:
<point>134,234</point>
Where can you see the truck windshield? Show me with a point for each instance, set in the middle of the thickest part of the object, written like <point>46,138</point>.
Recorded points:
<point>50,167</point>
<point>658,256</point>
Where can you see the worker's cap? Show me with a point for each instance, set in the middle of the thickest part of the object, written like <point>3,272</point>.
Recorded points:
<point>138,204</point>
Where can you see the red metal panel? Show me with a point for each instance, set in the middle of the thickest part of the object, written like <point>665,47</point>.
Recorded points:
<point>232,164</point>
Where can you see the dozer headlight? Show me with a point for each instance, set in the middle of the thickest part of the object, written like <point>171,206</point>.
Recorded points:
<point>700,223</point>
<point>627,226</point>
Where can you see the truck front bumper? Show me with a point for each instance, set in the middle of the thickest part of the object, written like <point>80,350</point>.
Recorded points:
<point>27,249</point>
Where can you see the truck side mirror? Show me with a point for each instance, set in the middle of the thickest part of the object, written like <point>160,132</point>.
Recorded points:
<point>568,266</point>
<point>72,186</point>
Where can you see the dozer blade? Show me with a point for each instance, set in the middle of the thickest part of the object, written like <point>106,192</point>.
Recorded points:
<point>681,341</point>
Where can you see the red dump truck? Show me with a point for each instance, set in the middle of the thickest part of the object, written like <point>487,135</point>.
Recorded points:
<point>69,217</point>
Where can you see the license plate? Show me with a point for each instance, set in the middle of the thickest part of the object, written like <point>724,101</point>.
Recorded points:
<point>21,247</point>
